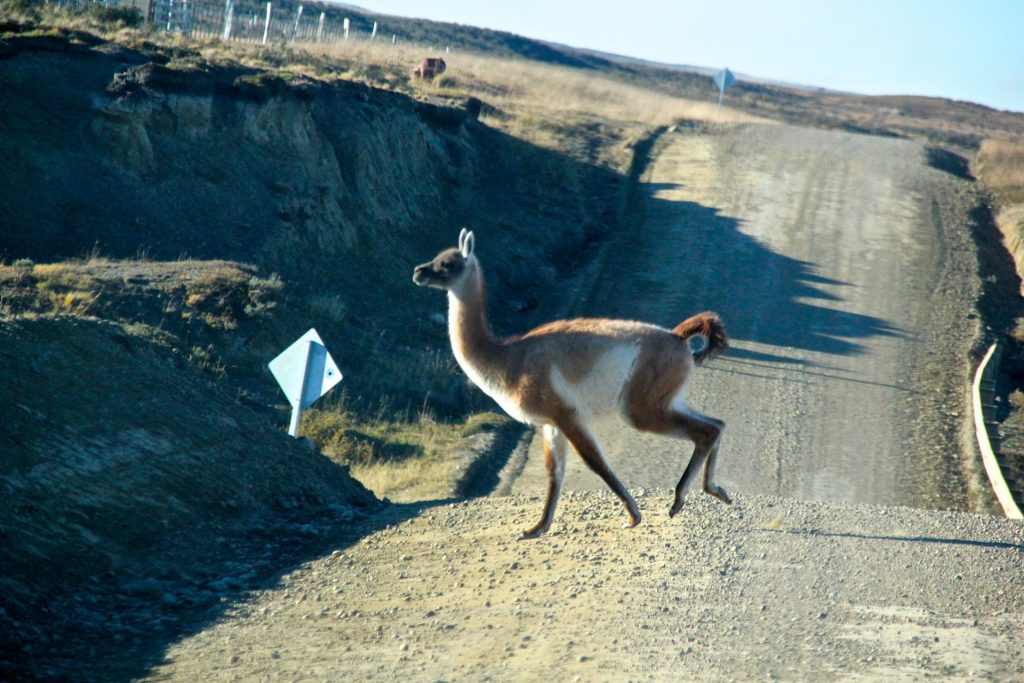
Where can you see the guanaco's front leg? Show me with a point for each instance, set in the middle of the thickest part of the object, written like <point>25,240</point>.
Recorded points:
<point>554,459</point>
<point>590,451</point>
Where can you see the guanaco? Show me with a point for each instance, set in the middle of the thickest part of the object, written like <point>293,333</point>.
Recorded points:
<point>562,375</point>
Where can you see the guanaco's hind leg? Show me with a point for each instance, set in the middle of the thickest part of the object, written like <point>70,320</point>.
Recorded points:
<point>554,458</point>
<point>590,451</point>
<point>710,487</point>
<point>706,433</point>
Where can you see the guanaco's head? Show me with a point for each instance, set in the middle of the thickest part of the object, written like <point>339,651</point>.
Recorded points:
<point>450,268</point>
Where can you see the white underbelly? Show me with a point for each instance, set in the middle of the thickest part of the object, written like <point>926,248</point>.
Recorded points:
<point>600,392</point>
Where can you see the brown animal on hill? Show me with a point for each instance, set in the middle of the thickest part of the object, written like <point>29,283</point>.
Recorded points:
<point>563,375</point>
<point>430,67</point>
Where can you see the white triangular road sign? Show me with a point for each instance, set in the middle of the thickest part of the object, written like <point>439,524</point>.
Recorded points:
<point>305,370</point>
<point>724,79</point>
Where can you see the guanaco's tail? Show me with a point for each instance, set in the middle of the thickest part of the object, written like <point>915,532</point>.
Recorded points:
<point>709,326</point>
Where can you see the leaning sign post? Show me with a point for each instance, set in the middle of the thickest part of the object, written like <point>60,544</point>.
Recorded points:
<point>723,79</point>
<point>305,371</point>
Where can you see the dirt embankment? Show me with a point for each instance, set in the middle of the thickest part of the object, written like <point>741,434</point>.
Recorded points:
<point>337,187</point>
<point>137,495</point>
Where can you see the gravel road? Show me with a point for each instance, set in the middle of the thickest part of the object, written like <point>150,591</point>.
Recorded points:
<point>844,269</point>
<point>767,589</point>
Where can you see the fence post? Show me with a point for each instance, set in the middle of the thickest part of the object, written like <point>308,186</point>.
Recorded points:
<point>295,28</point>
<point>186,14</point>
<point>345,25</point>
<point>266,25</point>
<point>229,17</point>
<point>373,36</point>
<point>320,26</point>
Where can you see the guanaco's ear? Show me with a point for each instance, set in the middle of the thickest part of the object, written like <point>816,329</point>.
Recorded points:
<point>467,245</point>
<point>462,237</point>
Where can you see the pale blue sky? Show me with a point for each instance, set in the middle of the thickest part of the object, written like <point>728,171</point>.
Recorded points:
<point>962,49</point>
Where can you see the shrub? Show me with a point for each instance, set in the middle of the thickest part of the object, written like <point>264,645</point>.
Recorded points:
<point>121,16</point>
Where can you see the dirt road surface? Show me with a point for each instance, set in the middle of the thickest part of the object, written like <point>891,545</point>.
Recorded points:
<point>843,266</point>
<point>844,269</point>
<point>767,589</point>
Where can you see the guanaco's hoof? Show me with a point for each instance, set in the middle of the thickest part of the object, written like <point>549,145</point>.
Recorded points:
<point>719,493</point>
<point>535,532</point>
<point>676,507</point>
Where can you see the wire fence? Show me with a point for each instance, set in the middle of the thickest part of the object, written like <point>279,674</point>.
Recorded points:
<point>250,22</point>
<point>246,21</point>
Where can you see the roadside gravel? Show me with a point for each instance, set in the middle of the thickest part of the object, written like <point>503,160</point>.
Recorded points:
<point>768,589</point>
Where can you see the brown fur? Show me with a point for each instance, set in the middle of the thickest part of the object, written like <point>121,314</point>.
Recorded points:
<point>430,67</point>
<point>709,326</point>
<point>660,370</point>
<point>576,342</point>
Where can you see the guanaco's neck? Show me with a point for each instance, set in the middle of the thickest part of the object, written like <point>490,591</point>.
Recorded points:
<point>471,336</point>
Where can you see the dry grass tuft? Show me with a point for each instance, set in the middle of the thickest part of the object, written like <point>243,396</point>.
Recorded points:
<point>1011,223</point>
<point>1000,164</point>
<point>48,288</point>
<point>405,461</point>
<point>222,296</point>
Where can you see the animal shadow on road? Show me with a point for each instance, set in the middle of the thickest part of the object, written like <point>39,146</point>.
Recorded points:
<point>691,257</point>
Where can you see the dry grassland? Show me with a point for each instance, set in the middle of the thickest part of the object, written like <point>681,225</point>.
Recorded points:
<point>400,460</point>
<point>1000,165</point>
<point>523,90</point>
<point>556,89</point>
